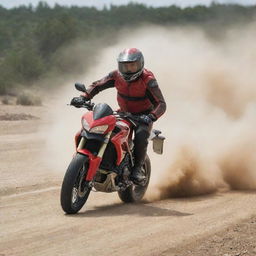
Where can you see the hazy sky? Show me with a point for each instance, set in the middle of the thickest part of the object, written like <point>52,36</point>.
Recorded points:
<point>101,3</point>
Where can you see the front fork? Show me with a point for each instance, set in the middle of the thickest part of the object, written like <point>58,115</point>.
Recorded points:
<point>94,160</point>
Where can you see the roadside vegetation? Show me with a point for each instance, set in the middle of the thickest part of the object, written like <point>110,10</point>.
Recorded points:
<point>35,42</point>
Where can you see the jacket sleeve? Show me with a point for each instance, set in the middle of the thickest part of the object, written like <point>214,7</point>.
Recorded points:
<point>156,97</point>
<point>100,85</point>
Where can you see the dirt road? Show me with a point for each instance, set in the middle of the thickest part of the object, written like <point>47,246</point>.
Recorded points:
<point>33,223</point>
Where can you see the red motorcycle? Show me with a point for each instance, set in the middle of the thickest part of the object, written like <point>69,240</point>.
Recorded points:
<point>104,157</point>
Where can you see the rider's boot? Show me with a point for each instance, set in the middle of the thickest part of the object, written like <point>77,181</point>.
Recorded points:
<point>142,133</point>
<point>138,175</point>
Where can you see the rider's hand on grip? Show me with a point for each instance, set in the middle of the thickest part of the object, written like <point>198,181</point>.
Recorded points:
<point>146,119</point>
<point>78,101</point>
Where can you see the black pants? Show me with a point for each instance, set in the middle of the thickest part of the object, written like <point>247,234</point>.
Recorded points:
<point>141,135</point>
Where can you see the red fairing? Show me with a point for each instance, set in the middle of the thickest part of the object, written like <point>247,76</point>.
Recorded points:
<point>94,163</point>
<point>108,120</point>
<point>120,140</point>
<point>88,117</point>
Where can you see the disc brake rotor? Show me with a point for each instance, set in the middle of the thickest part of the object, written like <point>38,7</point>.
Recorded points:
<point>74,195</point>
<point>82,188</point>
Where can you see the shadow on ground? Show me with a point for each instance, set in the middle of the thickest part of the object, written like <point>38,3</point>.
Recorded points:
<point>141,209</point>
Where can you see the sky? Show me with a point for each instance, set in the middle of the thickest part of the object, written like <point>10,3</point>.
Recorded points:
<point>101,3</point>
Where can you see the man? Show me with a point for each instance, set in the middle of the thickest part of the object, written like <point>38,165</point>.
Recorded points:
<point>138,93</point>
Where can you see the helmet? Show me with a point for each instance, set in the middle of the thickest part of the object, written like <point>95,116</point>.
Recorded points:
<point>130,64</point>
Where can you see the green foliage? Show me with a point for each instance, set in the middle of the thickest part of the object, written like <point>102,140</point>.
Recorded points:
<point>37,41</point>
<point>25,64</point>
<point>53,33</point>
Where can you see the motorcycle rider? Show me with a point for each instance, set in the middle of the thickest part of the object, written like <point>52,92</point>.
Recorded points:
<point>138,93</point>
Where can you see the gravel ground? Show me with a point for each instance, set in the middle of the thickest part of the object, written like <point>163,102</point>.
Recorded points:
<point>236,240</point>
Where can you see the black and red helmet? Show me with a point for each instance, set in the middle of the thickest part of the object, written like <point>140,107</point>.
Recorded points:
<point>130,64</point>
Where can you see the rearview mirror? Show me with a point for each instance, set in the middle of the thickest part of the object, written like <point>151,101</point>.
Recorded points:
<point>80,87</point>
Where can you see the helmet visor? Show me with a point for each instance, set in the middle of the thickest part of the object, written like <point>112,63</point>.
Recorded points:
<point>129,67</point>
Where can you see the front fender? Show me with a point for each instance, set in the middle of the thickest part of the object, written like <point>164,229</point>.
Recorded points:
<point>94,163</point>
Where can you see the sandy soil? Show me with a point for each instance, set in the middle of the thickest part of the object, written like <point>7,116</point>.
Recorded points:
<point>235,240</point>
<point>22,141</point>
<point>33,223</point>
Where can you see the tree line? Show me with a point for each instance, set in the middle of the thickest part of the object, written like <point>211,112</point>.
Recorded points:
<point>32,39</point>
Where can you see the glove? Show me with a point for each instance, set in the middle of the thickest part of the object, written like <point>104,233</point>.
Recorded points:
<point>147,119</point>
<point>78,101</point>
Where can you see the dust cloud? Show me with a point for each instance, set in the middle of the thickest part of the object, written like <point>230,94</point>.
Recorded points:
<point>210,124</point>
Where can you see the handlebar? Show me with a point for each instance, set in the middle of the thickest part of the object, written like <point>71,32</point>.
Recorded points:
<point>134,119</point>
<point>87,104</point>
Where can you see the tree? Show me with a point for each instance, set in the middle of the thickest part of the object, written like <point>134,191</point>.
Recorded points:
<point>54,33</point>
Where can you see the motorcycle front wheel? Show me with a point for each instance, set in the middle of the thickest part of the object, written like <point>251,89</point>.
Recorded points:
<point>135,193</point>
<point>75,189</point>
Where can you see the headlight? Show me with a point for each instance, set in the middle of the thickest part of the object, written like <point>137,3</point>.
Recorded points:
<point>85,125</point>
<point>99,129</point>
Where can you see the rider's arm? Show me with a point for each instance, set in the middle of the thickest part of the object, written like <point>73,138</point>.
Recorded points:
<point>156,97</point>
<point>100,85</point>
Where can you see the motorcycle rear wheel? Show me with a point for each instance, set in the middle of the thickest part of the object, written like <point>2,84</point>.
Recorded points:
<point>135,193</point>
<point>75,189</point>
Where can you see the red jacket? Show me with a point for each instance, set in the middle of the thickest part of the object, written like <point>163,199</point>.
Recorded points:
<point>142,96</point>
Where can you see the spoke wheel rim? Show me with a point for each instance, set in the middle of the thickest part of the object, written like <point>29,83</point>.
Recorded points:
<point>138,189</point>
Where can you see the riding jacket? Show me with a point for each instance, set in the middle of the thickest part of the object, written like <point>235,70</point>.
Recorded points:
<point>142,96</point>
